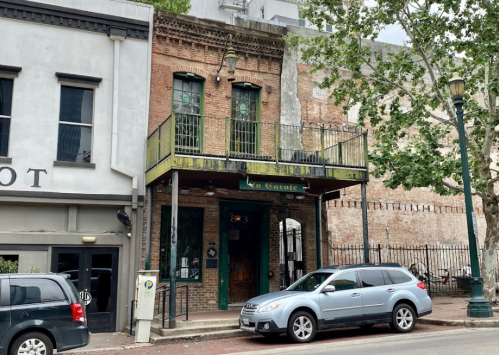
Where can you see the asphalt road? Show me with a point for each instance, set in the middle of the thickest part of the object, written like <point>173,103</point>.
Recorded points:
<point>330,339</point>
<point>462,341</point>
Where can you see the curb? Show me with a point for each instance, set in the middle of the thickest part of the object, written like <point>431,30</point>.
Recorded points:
<point>116,348</point>
<point>472,323</point>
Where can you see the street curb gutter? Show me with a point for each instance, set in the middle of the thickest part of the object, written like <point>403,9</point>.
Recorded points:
<point>473,323</point>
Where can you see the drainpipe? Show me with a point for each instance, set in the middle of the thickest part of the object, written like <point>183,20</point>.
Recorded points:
<point>148,232</point>
<point>118,35</point>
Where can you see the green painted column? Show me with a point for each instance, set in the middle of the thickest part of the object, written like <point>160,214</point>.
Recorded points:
<point>318,230</point>
<point>478,305</point>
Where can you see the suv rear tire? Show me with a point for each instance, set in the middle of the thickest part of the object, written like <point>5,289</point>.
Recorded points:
<point>34,341</point>
<point>403,318</point>
<point>301,327</point>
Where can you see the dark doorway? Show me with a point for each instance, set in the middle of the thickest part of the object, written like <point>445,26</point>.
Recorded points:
<point>244,244</point>
<point>244,251</point>
<point>94,271</point>
<point>244,247</point>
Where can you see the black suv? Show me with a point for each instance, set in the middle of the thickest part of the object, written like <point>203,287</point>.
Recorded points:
<point>40,313</point>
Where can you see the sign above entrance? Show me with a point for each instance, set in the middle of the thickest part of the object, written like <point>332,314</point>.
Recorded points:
<point>271,186</point>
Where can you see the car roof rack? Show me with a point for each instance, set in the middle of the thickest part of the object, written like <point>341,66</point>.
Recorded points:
<point>335,266</point>
<point>391,264</point>
<point>365,265</point>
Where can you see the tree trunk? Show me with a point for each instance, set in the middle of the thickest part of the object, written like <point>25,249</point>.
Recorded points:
<point>489,257</point>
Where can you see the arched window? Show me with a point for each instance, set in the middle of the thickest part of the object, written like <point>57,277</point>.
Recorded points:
<point>188,107</point>
<point>290,251</point>
<point>245,114</point>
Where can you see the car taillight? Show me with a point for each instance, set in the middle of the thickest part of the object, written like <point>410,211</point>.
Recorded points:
<point>422,285</point>
<point>78,315</point>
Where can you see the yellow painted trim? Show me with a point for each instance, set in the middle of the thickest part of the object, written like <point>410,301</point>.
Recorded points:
<point>254,168</point>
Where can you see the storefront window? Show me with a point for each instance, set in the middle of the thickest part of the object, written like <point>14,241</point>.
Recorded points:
<point>189,243</point>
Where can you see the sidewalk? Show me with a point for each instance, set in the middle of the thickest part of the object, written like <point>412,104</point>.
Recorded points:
<point>447,311</point>
<point>452,311</point>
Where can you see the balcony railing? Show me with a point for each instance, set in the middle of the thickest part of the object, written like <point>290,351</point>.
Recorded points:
<point>230,138</point>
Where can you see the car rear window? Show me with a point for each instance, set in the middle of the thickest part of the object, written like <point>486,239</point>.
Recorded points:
<point>398,277</point>
<point>73,288</point>
<point>27,291</point>
<point>372,278</point>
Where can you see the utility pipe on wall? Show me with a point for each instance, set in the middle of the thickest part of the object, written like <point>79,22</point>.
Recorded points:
<point>118,35</point>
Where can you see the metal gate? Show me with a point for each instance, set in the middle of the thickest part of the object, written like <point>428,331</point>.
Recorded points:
<point>291,256</point>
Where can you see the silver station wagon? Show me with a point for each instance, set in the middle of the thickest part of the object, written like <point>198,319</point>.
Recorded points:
<point>332,297</point>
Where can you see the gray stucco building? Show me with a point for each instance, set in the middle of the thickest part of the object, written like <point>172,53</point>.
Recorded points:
<point>74,94</point>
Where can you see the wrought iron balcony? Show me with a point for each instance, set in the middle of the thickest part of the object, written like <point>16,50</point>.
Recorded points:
<point>228,139</point>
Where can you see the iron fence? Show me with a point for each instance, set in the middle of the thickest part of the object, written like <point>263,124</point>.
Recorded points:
<point>226,137</point>
<point>291,257</point>
<point>444,268</point>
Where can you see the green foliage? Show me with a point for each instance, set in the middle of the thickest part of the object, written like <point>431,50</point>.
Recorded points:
<point>8,267</point>
<point>403,91</point>
<point>34,270</point>
<point>177,6</point>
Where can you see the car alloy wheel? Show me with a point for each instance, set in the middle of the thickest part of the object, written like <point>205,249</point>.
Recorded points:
<point>404,318</point>
<point>32,344</point>
<point>301,327</point>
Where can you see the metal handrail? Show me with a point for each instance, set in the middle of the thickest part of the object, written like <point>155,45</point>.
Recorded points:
<point>161,291</point>
<point>162,302</point>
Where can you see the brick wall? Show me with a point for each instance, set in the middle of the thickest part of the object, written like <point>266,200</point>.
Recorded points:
<point>394,216</point>
<point>204,295</point>
<point>184,44</point>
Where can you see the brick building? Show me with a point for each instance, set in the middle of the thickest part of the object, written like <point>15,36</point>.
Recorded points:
<point>395,216</point>
<point>219,150</point>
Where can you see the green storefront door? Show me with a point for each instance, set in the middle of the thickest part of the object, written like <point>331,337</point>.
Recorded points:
<point>244,251</point>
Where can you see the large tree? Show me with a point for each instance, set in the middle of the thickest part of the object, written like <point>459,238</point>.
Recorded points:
<point>406,90</point>
<point>178,6</point>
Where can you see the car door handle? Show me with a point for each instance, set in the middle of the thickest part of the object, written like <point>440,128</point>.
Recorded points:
<point>355,294</point>
<point>390,290</point>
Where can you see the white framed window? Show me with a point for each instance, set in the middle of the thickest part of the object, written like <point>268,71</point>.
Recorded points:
<point>301,20</point>
<point>75,125</point>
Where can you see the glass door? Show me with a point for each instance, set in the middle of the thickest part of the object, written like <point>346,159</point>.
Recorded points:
<point>94,272</point>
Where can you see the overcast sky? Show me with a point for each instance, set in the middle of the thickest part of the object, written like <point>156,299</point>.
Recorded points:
<point>393,34</point>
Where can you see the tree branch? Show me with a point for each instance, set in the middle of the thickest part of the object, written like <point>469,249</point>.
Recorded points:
<point>460,189</point>
<point>381,78</point>
<point>444,102</point>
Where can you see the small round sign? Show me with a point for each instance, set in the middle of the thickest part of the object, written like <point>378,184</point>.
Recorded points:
<point>86,297</point>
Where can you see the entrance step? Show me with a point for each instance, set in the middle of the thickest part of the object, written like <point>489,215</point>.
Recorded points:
<point>198,322</point>
<point>196,330</point>
<point>235,306</point>
<point>197,327</point>
<point>212,335</point>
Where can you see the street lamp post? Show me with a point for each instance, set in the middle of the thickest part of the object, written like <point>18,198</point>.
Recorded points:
<point>478,305</point>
